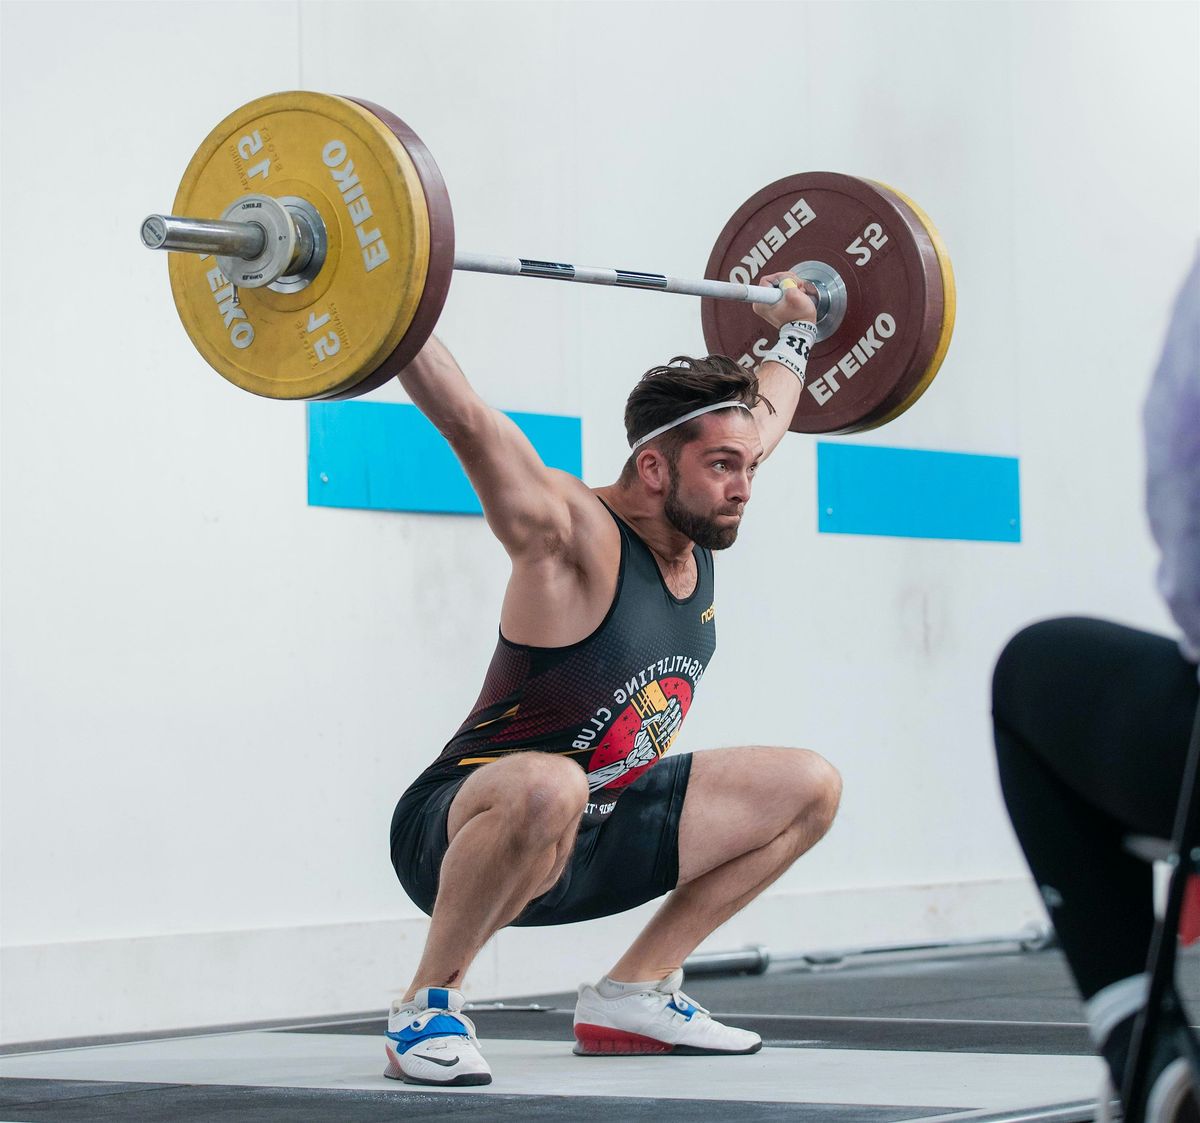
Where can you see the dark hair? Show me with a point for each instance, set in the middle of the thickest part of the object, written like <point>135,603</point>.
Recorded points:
<point>684,384</point>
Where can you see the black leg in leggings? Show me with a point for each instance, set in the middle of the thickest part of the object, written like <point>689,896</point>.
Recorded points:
<point>1098,896</point>
<point>1092,724</point>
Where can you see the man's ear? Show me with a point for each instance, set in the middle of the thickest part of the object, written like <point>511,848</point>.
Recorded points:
<point>654,471</point>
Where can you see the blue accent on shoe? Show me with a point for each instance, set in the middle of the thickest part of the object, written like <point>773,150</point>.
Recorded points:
<point>439,999</point>
<point>687,1009</point>
<point>442,1025</point>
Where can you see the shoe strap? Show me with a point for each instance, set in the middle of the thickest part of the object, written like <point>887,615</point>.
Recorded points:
<point>432,1002</point>
<point>439,998</point>
<point>689,1007</point>
<point>416,1021</point>
<point>673,985</point>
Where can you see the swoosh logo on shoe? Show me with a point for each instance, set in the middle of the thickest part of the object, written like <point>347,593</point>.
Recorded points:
<point>444,1064</point>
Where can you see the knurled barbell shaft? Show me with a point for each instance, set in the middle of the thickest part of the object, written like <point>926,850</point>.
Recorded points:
<point>245,240</point>
<point>622,278</point>
<point>196,235</point>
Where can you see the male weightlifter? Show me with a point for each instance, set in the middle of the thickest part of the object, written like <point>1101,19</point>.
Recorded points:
<point>555,801</point>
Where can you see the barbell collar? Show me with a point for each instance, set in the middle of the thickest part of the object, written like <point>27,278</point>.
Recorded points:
<point>285,250</point>
<point>312,244</point>
<point>831,295</point>
<point>195,235</point>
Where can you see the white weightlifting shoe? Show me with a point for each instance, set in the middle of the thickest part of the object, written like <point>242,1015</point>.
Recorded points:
<point>659,1020</point>
<point>430,1041</point>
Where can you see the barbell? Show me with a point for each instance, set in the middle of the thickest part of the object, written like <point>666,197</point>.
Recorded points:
<point>326,255</point>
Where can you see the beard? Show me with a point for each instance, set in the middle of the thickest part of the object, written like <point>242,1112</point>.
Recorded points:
<point>705,531</point>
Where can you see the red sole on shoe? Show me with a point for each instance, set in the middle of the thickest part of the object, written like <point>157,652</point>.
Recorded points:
<point>600,1041</point>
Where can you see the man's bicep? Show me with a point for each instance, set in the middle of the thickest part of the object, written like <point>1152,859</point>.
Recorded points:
<point>523,500</point>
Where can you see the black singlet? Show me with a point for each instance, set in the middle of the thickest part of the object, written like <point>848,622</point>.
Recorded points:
<point>614,701</point>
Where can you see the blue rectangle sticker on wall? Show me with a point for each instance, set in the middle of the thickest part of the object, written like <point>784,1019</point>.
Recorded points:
<point>385,456</point>
<point>916,493</point>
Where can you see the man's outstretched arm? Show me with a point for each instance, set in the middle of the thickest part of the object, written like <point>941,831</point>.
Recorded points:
<point>780,384</point>
<point>525,503</point>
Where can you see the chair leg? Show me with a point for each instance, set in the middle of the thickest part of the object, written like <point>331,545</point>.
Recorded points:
<point>1160,965</point>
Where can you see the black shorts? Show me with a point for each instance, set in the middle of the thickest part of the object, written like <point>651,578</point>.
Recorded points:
<point>625,860</point>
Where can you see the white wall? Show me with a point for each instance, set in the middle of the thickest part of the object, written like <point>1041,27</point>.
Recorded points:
<point>213,694</point>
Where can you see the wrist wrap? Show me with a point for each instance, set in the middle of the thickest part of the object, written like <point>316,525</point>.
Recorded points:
<point>794,347</point>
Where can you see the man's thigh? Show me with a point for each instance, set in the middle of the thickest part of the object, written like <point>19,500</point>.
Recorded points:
<point>740,799</point>
<point>629,858</point>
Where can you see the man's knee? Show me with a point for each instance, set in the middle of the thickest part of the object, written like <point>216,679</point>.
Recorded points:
<point>817,788</point>
<point>827,790</point>
<point>552,802</point>
<point>542,796</point>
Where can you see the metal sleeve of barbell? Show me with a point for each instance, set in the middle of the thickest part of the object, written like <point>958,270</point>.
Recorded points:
<point>621,278</point>
<point>245,240</point>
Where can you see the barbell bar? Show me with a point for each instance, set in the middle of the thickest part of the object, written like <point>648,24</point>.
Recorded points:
<point>247,241</point>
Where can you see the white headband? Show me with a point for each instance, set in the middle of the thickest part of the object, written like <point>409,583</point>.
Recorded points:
<point>686,417</point>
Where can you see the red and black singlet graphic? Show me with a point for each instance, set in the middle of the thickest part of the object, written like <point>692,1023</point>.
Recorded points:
<point>642,733</point>
<point>634,738</point>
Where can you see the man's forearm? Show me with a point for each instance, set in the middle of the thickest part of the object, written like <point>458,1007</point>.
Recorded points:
<point>781,373</point>
<point>781,379</point>
<point>782,389</point>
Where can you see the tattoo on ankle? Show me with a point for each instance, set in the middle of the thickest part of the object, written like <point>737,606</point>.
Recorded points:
<point>454,977</point>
